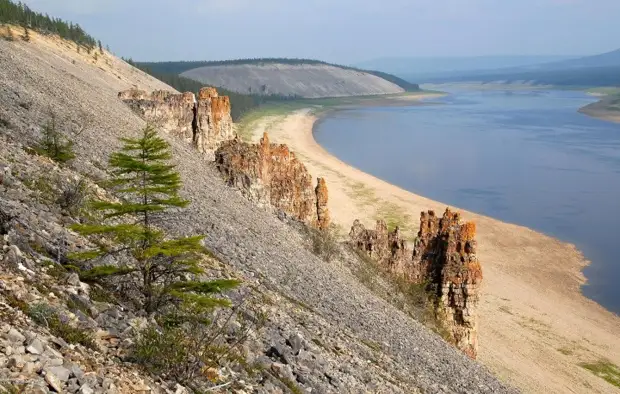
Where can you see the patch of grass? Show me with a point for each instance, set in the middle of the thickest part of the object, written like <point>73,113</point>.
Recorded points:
<point>56,271</point>
<point>565,351</point>
<point>10,389</point>
<point>99,294</point>
<point>13,302</point>
<point>324,242</point>
<point>505,309</point>
<point>605,370</point>
<point>298,303</point>
<point>43,186</point>
<point>290,385</point>
<point>362,194</point>
<point>45,315</point>
<point>395,216</point>
<point>372,344</point>
<point>75,305</point>
<point>318,343</point>
<point>248,121</point>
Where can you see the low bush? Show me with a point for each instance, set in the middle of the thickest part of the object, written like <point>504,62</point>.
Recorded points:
<point>59,325</point>
<point>72,196</point>
<point>188,345</point>
<point>54,144</point>
<point>325,242</point>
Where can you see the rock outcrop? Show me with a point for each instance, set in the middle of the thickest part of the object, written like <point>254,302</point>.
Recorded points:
<point>443,258</point>
<point>270,174</point>
<point>205,121</point>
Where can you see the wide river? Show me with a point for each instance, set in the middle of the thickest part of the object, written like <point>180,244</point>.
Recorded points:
<point>525,157</point>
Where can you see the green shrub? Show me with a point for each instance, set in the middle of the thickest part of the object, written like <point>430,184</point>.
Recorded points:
<point>325,242</point>
<point>73,195</point>
<point>605,370</point>
<point>59,326</point>
<point>54,144</point>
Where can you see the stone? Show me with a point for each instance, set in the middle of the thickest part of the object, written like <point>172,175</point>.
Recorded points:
<point>322,210</point>
<point>16,363</point>
<point>295,341</point>
<point>388,248</point>
<point>271,175</point>
<point>73,279</point>
<point>60,372</point>
<point>29,368</point>
<point>53,381</point>
<point>15,336</point>
<point>76,371</point>
<point>35,347</point>
<point>205,121</point>
<point>214,124</point>
<point>85,389</point>
<point>444,258</point>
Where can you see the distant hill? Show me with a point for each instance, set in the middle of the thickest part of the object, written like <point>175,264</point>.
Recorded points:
<point>574,78</point>
<point>607,59</point>
<point>588,71</point>
<point>294,77</point>
<point>433,66</point>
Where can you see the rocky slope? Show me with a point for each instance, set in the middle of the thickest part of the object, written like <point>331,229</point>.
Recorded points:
<point>324,331</point>
<point>303,80</point>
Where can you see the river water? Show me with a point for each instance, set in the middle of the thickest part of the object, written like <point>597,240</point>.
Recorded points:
<point>525,157</point>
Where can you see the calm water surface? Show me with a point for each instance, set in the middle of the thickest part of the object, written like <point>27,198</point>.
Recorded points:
<point>526,157</point>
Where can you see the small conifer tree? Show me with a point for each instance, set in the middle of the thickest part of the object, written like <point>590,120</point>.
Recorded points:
<point>148,187</point>
<point>100,47</point>
<point>26,35</point>
<point>53,144</point>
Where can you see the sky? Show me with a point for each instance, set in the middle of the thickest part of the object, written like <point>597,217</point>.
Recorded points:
<point>343,31</point>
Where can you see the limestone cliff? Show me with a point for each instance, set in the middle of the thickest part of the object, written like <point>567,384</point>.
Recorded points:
<point>443,258</point>
<point>270,174</point>
<point>205,121</point>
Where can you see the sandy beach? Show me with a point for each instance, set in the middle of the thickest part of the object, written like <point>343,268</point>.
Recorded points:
<point>535,325</point>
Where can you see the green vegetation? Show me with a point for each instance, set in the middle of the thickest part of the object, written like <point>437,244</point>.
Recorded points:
<point>292,386</point>
<point>148,187</point>
<point>59,325</point>
<point>581,78</point>
<point>240,103</point>
<point>20,14</point>
<point>605,370</point>
<point>54,144</point>
<point>180,67</point>
<point>325,242</point>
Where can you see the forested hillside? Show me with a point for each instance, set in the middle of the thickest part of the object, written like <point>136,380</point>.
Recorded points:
<point>180,67</point>
<point>578,78</point>
<point>20,14</point>
<point>240,103</point>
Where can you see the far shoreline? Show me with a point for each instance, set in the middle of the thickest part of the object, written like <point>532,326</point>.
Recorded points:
<point>518,297</point>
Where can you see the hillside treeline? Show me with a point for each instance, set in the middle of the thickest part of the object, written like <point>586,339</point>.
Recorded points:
<point>20,14</point>
<point>240,103</point>
<point>570,78</point>
<point>180,67</point>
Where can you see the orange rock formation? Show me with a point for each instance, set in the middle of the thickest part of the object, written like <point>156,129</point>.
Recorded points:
<point>270,174</point>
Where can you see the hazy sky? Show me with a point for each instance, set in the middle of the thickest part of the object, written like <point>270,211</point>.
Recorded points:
<point>344,31</point>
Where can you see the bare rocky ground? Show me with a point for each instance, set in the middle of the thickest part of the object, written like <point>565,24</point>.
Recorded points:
<point>325,331</point>
<point>306,80</point>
